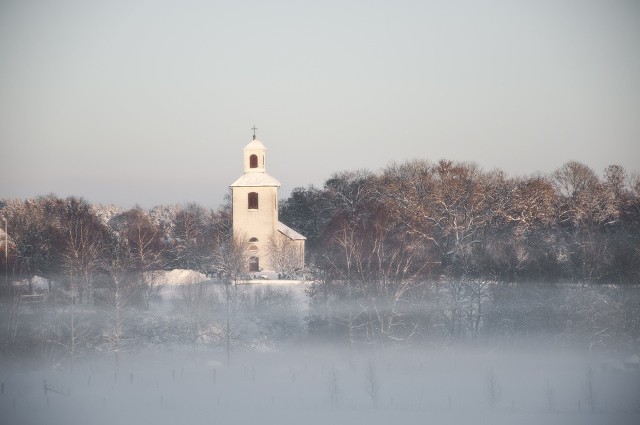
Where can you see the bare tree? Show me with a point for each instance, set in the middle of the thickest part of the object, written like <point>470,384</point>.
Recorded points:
<point>550,395</point>
<point>194,229</point>
<point>32,244</point>
<point>285,255</point>
<point>584,207</point>
<point>492,389</point>
<point>120,301</point>
<point>479,296</point>
<point>454,301</point>
<point>232,258</point>
<point>68,331</point>
<point>10,321</point>
<point>144,241</point>
<point>333,385</point>
<point>84,248</point>
<point>446,205</point>
<point>590,392</point>
<point>372,384</point>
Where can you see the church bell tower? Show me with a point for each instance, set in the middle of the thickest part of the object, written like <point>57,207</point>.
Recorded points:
<point>255,206</point>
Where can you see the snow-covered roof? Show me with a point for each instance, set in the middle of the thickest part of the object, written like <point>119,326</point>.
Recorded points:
<point>256,179</point>
<point>255,144</point>
<point>289,232</point>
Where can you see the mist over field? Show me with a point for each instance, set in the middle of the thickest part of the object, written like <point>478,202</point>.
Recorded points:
<point>292,357</point>
<point>431,292</point>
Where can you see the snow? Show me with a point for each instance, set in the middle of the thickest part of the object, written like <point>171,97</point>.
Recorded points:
<point>106,212</point>
<point>276,374</point>
<point>177,277</point>
<point>289,232</point>
<point>37,283</point>
<point>255,144</point>
<point>256,179</point>
<point>292,385</point>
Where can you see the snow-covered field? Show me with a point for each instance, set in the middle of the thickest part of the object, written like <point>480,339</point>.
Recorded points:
<point>321,385</point>
<point>286,382</point>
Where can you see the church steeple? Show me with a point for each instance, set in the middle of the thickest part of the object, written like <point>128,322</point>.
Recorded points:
<point>255,212</point>
<point>254,155</point>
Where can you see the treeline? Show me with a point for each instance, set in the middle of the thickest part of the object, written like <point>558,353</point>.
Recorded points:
<point>76,243</point>
<point>411,221</point>
<point>416,251</point>
<point>423,220</point>
<point>423,251</point>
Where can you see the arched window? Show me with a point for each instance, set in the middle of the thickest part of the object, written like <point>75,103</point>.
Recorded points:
<point>254,239</point>
<point>253,161</point>
<point>253,200</point>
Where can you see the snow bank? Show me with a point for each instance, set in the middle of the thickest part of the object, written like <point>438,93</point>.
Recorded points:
<point>177,277</point>
<point>37,284</point>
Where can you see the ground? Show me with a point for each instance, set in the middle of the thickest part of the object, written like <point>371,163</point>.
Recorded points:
<point>322,385</point>
<point>535,382</point>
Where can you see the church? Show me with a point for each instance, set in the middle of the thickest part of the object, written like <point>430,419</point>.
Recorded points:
<point>273,246</point>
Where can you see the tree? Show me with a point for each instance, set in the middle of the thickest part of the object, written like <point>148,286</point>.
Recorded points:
<point>144,242</point>
<point>445,205</point>
<point>372,384</point>
<point>585,210</point>
<point>193,232</point>
<point>333,385</point>
<point>83,248</point>
<point>120,300</point>
<point>529,216</point>
<point>232,256</point>
<point>70,330</point>
<point>285,255</point>
<point>492,389</point>
<point>308,210</point>
<point>34,237</point>
<point>590,391</point>
<point>232,259</point>
<point>342,257</point>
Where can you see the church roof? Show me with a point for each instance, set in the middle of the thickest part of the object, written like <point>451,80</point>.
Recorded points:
<point>289,232</point>
<point>255,144</point>
<point>256,179</point>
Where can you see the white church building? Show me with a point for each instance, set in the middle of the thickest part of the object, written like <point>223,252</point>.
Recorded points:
<point>273,247</point>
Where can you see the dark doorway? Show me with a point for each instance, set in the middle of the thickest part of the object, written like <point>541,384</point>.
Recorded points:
<point>254,264</point>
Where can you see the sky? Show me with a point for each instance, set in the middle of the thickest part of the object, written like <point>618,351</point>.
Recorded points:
<point>151,102</point>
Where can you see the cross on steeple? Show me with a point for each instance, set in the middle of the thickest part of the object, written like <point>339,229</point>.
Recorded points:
<point>254,128</point>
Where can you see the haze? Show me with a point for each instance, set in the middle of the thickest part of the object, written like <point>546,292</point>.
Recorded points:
<point>151,102</point>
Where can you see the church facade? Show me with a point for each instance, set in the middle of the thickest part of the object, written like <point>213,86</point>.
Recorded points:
<point>273,246</point>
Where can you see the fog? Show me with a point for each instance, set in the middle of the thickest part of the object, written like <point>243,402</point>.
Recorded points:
<point>271,353</point>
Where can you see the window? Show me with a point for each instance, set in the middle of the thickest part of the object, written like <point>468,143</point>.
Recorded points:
<point>254,239</point>
<point>253,200</point>
<point>253,161</point>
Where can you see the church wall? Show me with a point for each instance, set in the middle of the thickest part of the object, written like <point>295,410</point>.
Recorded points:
<point>259,223</point>
<point>296,248</point>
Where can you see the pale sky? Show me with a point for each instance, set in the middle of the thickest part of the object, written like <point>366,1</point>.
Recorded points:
<point>151,102</point>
